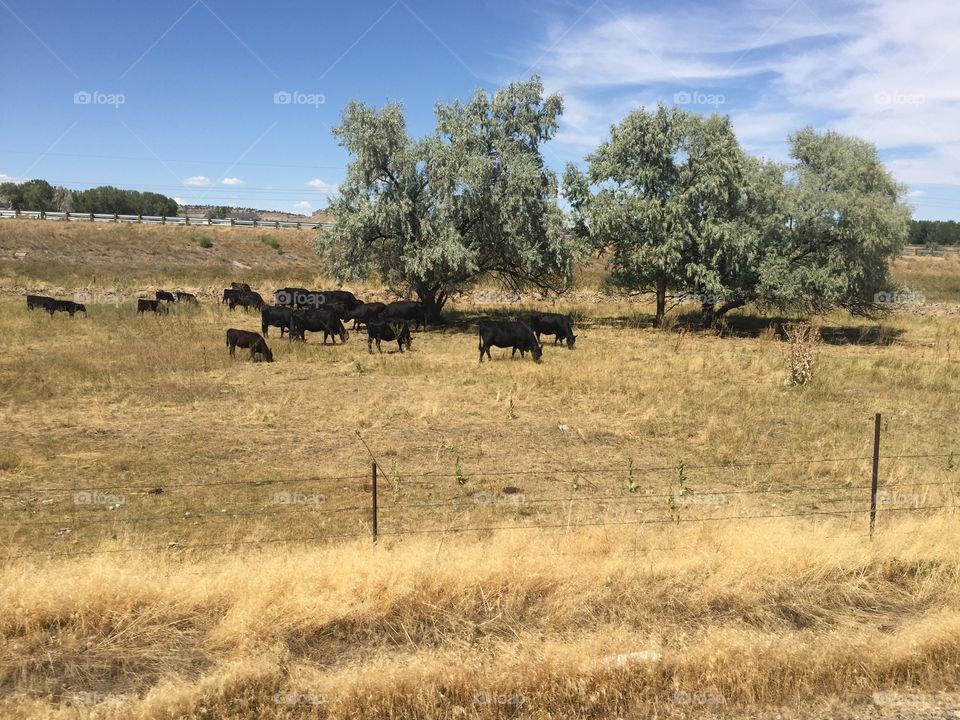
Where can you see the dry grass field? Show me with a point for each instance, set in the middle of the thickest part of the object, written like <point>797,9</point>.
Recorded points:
<point>651,524</point>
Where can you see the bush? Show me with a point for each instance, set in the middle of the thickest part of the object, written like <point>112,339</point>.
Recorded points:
<point>205,242</point>
<point>804,340</point>
<point>271,241</point>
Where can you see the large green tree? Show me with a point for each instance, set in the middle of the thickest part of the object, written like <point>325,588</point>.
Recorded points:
<point>661,199</point>
<point>827,227</point>
<point>681,209</point>
<point>473,199</point>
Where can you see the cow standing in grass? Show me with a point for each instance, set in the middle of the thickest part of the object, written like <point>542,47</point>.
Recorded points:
<point>560,326</point>
<point>325,321</point>
<point>145,305</point>
<point>398,330</point>
<point>253,341</point>
<point>509,334</point>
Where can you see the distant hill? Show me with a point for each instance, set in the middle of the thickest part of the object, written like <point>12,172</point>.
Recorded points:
<point>242,213</point>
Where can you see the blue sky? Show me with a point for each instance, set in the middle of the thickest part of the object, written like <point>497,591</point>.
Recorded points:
<point>181,97</point>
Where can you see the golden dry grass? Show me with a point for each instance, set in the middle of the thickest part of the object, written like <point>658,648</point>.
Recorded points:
<point>787,613</point>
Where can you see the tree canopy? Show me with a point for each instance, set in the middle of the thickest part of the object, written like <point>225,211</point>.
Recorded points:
<point>681,211</point>
<point>473,199</point>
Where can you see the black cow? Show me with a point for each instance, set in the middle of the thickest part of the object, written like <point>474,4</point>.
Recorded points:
<point>398,330</point>
<point>560,326</point>
<point>246,339</point>
<point>363,314</point>
<point>229,293</point>
<point>409,310</point>
<point>324,321</point>
<point>41,301</point>
<point>241,286</point>
<point>165,296</point>
<point>246,300</point>
<point>339,297</point>
<point>186,297</point>
<point>145,305</point>
<point>509,334</point>
<point>276,316</point>
<point>69,306</point>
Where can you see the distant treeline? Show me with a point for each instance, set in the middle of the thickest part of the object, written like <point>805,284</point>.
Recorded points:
<point>41,195</point>
<point>934,232</point>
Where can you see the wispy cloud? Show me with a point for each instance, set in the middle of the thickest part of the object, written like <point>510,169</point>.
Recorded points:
<point>302,205</point>
<point>878,69</point>
<point>232,181</point>
<point>323,186</point>
<point>198,181</point>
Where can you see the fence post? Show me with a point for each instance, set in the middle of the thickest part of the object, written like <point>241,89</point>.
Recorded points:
<point>373,488</point>
<point>876,473</point>
<point>91,217</point>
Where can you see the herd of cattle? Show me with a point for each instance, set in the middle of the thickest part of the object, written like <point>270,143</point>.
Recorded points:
<point>297,311</point>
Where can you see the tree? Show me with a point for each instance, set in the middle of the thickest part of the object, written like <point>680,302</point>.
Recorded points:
<point>841,220</point>
<point>36,195</point>
<point>661,197</point>
<point>472,200</point>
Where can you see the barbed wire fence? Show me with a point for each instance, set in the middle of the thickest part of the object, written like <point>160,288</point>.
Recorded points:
<point>637,508</point>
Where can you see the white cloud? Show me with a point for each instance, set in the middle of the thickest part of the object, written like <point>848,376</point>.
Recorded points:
<point>6,178</point>
<point>198,181</point>
<point>179,201</point>
<point>232,181</point>
<point>323,186</point>
<point>877,69</point>
<point>302,205</point>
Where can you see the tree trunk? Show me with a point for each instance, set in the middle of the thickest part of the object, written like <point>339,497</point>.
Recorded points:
<point>433,299</point>
<point>709,314</point>
<point>661,303</point>
<point>727,307</point>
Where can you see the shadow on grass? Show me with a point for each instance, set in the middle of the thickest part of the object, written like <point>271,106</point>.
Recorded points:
<point>739,325</point>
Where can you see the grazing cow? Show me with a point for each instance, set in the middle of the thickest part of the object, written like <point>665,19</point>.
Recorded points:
<point>363,314</point>
<point>560,326</point>
<point>398,330</point>
<point>509,334</point>
<point>276,316</point>
<point>165,296</point>
<point>247,300</point>
<point>41,301</point>
<point>229,293</point>
<point>186,297</point>
<point>145,305</point>
<point>324,321</point>
<point>409,310</point>
<point>69,306</point>
<point>339,297</point>
<point>241,286</point>
<point>246,339</point>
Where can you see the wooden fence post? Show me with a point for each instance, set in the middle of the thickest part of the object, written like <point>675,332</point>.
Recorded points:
<point>876,473</point>
<point>373,489</point>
